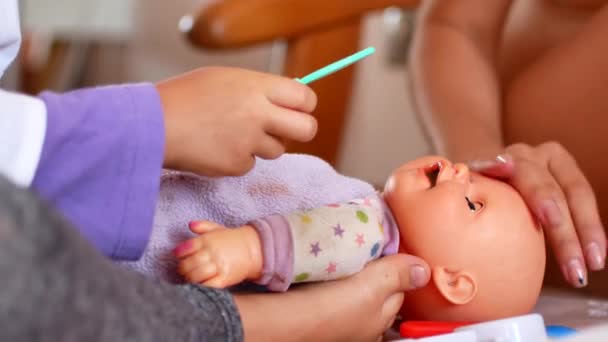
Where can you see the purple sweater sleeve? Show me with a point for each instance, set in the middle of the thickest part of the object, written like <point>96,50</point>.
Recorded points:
<point>101,163</point>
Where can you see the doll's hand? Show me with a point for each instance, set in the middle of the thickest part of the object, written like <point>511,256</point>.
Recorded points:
<point>220,257</point>
<point>217,119</point>
<point>560,196</point>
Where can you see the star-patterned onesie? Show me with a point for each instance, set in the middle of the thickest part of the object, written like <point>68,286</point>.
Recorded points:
<point>325,243</point>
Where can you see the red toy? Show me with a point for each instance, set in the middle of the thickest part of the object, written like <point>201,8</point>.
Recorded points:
<point>419,329</point>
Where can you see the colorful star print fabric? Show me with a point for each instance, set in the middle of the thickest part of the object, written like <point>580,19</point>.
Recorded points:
<point>330,242</point>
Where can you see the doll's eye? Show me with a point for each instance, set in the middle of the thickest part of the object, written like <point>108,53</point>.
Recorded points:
<point>474,206</point>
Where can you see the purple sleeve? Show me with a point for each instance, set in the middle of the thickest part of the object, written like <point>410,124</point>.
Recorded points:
<point>391,231</point>
<point>101,163</point>
<point>277,251</point>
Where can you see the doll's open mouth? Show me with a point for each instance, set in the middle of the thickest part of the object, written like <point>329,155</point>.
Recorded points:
<point>432,173</point>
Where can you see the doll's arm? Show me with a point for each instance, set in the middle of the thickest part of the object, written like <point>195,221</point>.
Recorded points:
<point>222,257</point>
<point>325,243</point>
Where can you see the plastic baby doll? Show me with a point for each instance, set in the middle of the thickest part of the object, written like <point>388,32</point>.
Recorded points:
<point>485,250</point>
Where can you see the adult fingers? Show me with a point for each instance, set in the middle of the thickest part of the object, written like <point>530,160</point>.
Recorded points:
<point>502,166</point>
<point>391,308</point>
<point>544,197</point>
<point>397,273</point>
<point>582,204</point>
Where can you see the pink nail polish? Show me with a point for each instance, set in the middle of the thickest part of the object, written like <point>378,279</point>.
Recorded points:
<point>192,224</point>
<point>182,248</point>
<point>503,158</point>
<point>594,257</point>
<point>484,164</point>
<point>477,165</point>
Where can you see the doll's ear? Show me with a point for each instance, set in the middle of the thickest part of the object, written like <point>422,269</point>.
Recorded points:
<point>458,287</point>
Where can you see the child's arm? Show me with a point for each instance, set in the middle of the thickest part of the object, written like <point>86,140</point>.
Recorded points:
<point>325,243</point>
<point>103,148</point>
<point>101,163</point>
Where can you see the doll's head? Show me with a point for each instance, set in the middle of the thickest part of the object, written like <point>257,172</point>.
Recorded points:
<point>485,250</point>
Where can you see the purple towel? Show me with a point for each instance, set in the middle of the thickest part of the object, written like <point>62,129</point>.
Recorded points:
<point>292,182</point>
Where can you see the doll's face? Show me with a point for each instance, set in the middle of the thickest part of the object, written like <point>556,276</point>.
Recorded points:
<point>477,235</point>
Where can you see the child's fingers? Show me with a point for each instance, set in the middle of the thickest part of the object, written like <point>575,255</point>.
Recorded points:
<point>202,227</point>
<point>202,274</point>
<point>194,261</point>
<point>289,124</point>
<point>288,93</point>
<point>269,148</point>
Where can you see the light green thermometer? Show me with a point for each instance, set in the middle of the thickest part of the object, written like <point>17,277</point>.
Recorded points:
<point>336,66</point>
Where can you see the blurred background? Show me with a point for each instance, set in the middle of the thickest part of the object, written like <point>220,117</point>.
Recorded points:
<point>78,43</point>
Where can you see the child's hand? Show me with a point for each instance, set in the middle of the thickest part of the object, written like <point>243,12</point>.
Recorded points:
<point>217,119</point>
<point>220,257</point>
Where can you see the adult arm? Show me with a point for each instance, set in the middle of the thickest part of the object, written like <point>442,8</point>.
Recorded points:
<point>454,74</point>
<point>459,97</point>
<point>58,287</point>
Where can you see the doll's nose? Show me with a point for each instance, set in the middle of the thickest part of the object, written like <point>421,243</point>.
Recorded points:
<point>462,173</point>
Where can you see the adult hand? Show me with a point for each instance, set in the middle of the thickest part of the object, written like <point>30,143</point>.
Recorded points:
<point>560,196</point>
<point>218,119</point>
<point>358,308</point>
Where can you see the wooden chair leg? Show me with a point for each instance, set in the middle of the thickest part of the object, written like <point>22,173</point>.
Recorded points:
<point>35,79</point>
<point>314,51</point>
<point>64,68</point>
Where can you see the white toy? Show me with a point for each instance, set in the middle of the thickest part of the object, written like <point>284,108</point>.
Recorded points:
<point>528,328</point>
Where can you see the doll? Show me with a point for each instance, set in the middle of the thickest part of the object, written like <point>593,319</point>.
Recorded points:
<point>486,251</point>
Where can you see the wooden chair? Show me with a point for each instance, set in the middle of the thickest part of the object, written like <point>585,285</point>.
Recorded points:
<point>317,32</point>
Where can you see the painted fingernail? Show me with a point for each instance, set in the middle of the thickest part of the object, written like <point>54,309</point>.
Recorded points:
<point>182,248</point>
<point>594,257</point>
<point>481,164</point>
<point>503,158</point>
<point>192,224</point>
<point>417,276</point>
<point>550,215</point>
<point>576,273</point>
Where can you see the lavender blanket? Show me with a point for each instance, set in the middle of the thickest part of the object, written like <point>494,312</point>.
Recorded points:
<point>292,182</point>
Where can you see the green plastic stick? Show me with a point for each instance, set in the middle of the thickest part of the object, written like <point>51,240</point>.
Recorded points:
<point>336,66</point>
